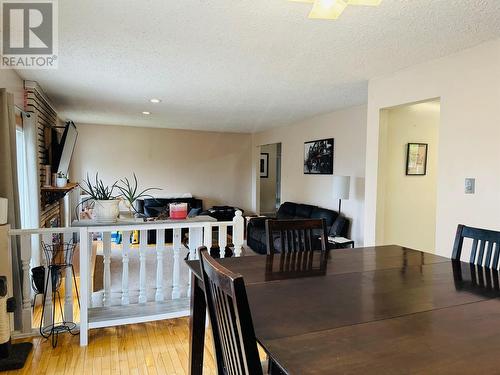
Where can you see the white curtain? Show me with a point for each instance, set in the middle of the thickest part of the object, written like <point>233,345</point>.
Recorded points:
<point>9,187</point>
<point>29,181</point>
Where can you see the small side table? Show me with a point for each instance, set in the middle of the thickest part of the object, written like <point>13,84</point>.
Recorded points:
<point>341,242</point>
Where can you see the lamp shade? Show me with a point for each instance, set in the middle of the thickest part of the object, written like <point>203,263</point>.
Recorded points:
<point>341,187</point>
<point>3,211</point>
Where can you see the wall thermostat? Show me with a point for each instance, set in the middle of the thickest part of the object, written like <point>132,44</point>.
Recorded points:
<point>470,186</point>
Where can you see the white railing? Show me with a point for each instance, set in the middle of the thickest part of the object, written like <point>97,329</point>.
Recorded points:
<point>123,303</point>
<point>31,256</point>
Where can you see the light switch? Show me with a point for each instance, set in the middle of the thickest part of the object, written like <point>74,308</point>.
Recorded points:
<point>470,186</point>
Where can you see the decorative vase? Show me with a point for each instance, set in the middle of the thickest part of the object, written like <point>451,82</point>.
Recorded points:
<point>61,182</point>
<point>106,212</point>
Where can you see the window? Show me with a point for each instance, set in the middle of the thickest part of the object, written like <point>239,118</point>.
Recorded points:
<point>22,178</point>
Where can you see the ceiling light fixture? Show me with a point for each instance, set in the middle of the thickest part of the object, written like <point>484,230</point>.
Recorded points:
<point>332,9</point>
<point>154,100</point>
<point>146,113</point>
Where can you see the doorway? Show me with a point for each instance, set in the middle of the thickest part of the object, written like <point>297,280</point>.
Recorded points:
<point>270,178</point>
<point>407,176</point>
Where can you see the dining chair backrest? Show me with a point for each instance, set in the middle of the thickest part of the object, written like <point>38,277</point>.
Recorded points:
<point>295,235</point>
<point>232,328</point>
<point>485,250</point>
<point>298,264</point>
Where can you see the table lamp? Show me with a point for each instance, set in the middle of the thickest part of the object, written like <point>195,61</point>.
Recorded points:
<point>341,187</point>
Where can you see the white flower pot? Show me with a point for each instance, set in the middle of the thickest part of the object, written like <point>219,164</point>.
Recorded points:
<point>106,212</point>
<point>61,182</point>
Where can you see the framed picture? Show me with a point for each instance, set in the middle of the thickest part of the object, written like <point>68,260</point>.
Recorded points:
<point>318,156</point>
<point>416,159</point>
<point>264,165</point>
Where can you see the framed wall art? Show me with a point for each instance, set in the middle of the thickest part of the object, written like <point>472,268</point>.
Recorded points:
<point>416,159</point>
<point>318,156</point>
<point>264,165</point>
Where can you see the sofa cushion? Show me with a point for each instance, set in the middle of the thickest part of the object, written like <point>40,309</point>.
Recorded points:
<point>322,213</point>
<point>304,211</point>
<point>287,210</point>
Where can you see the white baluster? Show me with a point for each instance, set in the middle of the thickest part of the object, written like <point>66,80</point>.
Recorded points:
<point>106,249</point>
<point>176,270</point>
<point>222,240</point>
<point>125,261</point>
<point>207,236</point>
<point>84,285</point>
<point>195,241</point>
<point>47,316</point>
<point>90,282</point>
<point>68,287</point>
<point>25,261</point>
<point>238,233</point>
<point>142,268</point>
<point>160,250</point>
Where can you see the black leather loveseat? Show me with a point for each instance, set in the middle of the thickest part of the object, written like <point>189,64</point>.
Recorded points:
<point>337,225</point>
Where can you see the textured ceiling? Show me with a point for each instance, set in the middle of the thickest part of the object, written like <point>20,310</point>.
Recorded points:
<point>242,65</point>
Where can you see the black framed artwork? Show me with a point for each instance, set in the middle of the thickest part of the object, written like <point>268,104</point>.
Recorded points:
<point>318,156</point>
<point>416,159</point>
<point>264,165</point>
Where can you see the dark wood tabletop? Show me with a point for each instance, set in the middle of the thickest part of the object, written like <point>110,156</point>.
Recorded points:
<point>387,310</point>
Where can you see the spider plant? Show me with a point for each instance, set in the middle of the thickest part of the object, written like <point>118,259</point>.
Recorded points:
<point>97,190</point>
<point>130,192</point>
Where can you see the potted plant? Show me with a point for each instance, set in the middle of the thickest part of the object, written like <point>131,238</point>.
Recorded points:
<point>106,208</point>
<point>130,194</point>
<point>61,179</point>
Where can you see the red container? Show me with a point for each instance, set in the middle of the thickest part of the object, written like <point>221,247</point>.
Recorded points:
<point>178,210</point>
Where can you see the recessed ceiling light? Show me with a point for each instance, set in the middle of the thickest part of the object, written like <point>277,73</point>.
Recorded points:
<point>146,113</point>
<point>155,100</point>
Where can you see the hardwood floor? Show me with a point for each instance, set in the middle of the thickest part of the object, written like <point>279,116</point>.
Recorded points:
<point>160,347</point>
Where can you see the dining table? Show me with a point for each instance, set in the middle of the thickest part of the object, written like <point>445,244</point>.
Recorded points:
<point>372,310</point>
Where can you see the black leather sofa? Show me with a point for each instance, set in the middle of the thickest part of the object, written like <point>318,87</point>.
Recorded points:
<point>152,207</point>
<point>337,225</point>
<point>222,213</point>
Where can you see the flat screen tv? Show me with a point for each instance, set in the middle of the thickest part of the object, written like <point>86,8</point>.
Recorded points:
<point>67,145</point>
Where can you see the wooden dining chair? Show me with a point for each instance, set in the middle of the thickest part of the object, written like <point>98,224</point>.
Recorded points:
<point>476,279</point>
<point>232,328</point>
<point>295,235</point>
<point>299,264</point>
<point>485,250</point>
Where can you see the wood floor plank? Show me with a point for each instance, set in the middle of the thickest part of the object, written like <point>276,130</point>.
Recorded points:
<point>153,348</point>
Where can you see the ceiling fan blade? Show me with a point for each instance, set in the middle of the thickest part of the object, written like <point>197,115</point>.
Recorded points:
<point>327,9</point>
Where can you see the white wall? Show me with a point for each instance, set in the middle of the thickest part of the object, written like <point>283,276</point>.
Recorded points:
<point>268,185</point>
<point>11,81</point>
<point>212,166</point>
<point>468,84</point>
<point>407,210</point>
<point>348,127</point>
